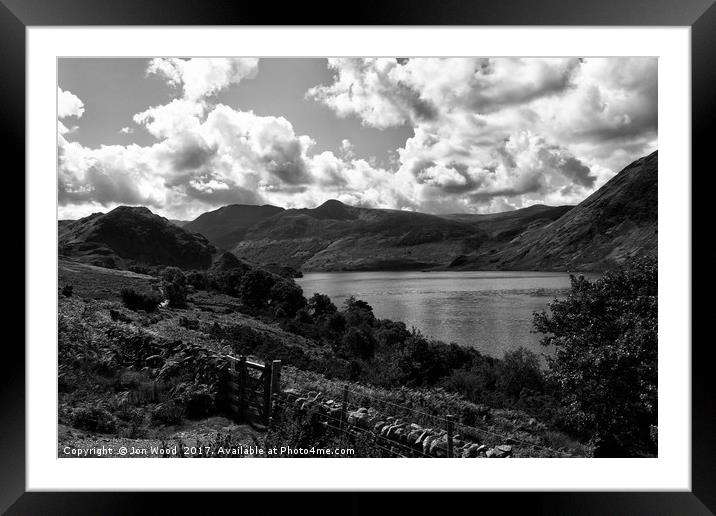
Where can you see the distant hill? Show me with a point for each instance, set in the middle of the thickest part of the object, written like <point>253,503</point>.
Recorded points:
<point>132,235</point>
<point>335,236</point>
<point>616,222</point>
<point>180,223</point>
<point>226,226</point>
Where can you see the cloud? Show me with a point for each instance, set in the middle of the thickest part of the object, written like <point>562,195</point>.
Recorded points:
<point>372,90</point>
<point>389,92</point>
<point>69,104</point>
<point>488,135</point>
<point>504,131</point>
<point>126,130</point>
<point>211,155</point>
<point>202,77</point>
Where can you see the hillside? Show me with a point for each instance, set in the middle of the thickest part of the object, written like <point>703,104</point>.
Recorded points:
<point>132,235</point>
<point>617,221</point>
<point>226,226</point>
<point>137,378</point>
<point>335,236</point>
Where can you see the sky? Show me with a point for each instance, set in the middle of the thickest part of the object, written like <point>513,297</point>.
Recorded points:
<point>456,135</point>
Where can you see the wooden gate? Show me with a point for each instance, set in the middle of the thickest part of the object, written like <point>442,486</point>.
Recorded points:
<point>253,386</point>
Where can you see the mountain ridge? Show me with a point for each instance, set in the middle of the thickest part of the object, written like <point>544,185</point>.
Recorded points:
<point>613,224</point>
<point>617,221</point>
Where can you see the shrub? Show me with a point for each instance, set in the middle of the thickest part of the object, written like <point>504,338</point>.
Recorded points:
<point>519,369</point>
<point>335,323</point>
<point>226,282</point>
<point>134,300</point>
<point>167,413</point>
<point>67,291</point>
<point>320,305</point>
<point>199,403</point>
<point>197,279</point>
<point>605,363</point>
<point>358,343</point>
<point>358,312</point>
<point>288,297</point>
<point>174,286</point>
<point>255,288</point>
<point>94,418</point>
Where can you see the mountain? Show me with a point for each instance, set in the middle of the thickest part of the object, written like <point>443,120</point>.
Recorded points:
<point>180,223</point>
<point>614,223</point>
<point>507,224</point>
<point>132,235</point>
<point>226,226</point>
<point>335,236</point>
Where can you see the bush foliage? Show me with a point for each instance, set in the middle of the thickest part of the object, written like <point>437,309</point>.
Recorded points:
<point>134,300</point>
<point>174,286</point>
<point>605,365</point>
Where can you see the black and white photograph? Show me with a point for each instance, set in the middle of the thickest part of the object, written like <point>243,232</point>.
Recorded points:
<point>364,257</point>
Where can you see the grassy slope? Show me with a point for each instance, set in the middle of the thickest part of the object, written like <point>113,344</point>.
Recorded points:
<point>94,321</point>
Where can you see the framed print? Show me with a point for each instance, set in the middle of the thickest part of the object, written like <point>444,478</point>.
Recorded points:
<point>415,234</point>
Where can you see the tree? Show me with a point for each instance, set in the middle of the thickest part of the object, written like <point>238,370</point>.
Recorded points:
<point>357,343</point>
<point>358,313</point>
<point>174,286</point>
<point>320,305</point>
<point>255,288</point>
<point>519,369</point>
<point>287,297</point>
<point>605,361</point>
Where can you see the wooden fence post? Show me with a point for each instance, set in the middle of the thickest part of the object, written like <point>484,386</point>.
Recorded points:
<point>233,395</point>
<point>242,385</point>
<point>267,393</point>
<point>450,419</point>
<point>275,385</point>
<point>343,425</point>
<point>275,378</point>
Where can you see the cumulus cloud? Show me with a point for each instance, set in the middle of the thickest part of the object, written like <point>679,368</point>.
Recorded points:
<point>201,77</point>
<point>488,135</point>
<point>69,104</point>
<point>387,92</point>
<point>491,133</point>
<point>209,156</point>
<point>372,90</point>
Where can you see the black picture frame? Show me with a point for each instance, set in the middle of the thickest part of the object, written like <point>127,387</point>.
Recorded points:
<point>700,15</point>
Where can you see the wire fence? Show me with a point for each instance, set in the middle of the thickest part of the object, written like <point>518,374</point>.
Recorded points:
<point>351,400</point>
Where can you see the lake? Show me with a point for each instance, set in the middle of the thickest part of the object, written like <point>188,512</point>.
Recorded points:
<point>487,310</point>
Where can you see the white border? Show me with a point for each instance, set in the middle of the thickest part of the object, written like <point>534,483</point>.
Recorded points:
<point>670,471</point>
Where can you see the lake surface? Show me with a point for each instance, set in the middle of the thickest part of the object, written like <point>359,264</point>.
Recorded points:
<point>487,310</point>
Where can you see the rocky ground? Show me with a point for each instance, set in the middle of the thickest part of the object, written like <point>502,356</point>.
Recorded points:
<point>190,439</point>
